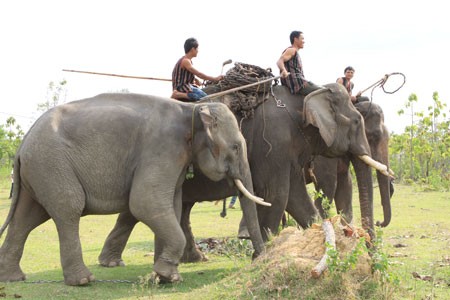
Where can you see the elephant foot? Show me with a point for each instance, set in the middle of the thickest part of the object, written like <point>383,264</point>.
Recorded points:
<point>9,275</point>
<point>156,279</point>
<point>193,255</point>
<point>110,259</point>
<point>9,268</point>
<point>166,271</point>
<point>111,263</point>
<point>243,233</point>
<point>79,279</point>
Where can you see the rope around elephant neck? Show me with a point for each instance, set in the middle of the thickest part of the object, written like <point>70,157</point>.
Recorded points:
<point>190,169</point>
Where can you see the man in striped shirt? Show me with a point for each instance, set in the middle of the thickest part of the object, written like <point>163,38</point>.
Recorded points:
<point>291,68</point>
<point>184,84</point>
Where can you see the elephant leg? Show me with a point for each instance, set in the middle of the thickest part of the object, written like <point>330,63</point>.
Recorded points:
<point>74,270</point>
<point>28,215</point>
<point>277,194</point>
<point>343,195</point>
<point>325,173</point>
<point>191,252</point>
<point>66,208</point>
<point>299,205</point>
<point>64,199</point>
<point>160,210</point>
<point>111,255</point>
<point>270,217</point>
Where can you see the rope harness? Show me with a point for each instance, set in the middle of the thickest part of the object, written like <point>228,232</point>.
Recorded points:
<point>190,169</point>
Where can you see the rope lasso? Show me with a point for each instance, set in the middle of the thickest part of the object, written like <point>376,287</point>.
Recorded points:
<point>381,83</point>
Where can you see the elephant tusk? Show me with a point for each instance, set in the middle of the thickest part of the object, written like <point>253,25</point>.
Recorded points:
<point>247,194</point>
<point>377,165</point>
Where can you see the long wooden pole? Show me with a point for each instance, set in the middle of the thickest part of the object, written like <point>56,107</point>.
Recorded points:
<point>118,75</point>
<point>239,88</point>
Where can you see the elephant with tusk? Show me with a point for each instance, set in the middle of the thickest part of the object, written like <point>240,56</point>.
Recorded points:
<point>331,175</point>
<point>282,135</point>
<point>121,153</point>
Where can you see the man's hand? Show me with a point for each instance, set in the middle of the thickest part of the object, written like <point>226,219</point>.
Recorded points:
<point>284,73</point>
<point>219,78</point>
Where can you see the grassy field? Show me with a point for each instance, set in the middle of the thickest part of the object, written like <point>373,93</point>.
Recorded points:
<point>418,240</point>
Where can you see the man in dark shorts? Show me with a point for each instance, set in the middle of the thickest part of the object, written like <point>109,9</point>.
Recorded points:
<point>185,85</point>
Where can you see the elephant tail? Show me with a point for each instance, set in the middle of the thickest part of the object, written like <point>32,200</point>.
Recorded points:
<point>15,195</point>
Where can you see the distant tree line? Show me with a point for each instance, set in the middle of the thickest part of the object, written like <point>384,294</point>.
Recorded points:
<point>421,153</point>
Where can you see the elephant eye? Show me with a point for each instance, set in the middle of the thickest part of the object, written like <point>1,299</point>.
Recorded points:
<point>236,148</point>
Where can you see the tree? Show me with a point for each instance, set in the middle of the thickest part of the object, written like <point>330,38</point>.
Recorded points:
<point>11,135</point>
<point>425,144</point>
<point>56,94</point>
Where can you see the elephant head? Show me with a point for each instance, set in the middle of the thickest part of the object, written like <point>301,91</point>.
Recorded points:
<point>340,125</point>
<point>219,152</point>
<point>225,157</point>
<point>343,131</point>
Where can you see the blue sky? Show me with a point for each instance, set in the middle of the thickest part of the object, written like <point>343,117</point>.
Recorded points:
<point>40,38</point>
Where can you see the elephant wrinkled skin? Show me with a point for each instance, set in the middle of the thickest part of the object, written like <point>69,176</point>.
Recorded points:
<point>119,153</point>
<point>333,176</point>
<point>281,137</point>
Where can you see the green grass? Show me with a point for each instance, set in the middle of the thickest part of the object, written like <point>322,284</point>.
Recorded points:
<point>420,222</point>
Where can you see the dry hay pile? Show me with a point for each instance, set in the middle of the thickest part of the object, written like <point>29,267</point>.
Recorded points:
<point>305,248</point>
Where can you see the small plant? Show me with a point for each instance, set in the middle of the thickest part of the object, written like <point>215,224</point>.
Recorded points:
<point>145,282</point>
<point>380,267</point>
<point>326,203</point>
<point>336,265</point>
<point>235,248</point>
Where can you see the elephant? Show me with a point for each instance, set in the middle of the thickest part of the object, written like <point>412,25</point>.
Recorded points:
<point>332,176</point>
<point>283,134</point>
<point>121,153</point>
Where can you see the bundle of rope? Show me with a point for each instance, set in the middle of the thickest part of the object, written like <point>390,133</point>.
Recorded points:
<point>242,74</point>
<point>244,101</point>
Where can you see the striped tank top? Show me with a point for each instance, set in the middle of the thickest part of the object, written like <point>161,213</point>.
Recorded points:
<point>348,85</point>
<point>295,80</point>
<point>181,78</point>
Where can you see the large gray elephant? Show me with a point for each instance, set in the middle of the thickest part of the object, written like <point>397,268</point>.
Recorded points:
<point>120,153</point>
<point>332,176</point>
<point>281,137</point>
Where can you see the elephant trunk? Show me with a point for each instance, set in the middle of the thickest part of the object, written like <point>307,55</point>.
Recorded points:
<point>365,187</point>
<point>385,193</point>
<point>380,152</point>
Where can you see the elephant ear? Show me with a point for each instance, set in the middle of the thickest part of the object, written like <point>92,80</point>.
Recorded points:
<point>319,113</point>
<point>209,122</point>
